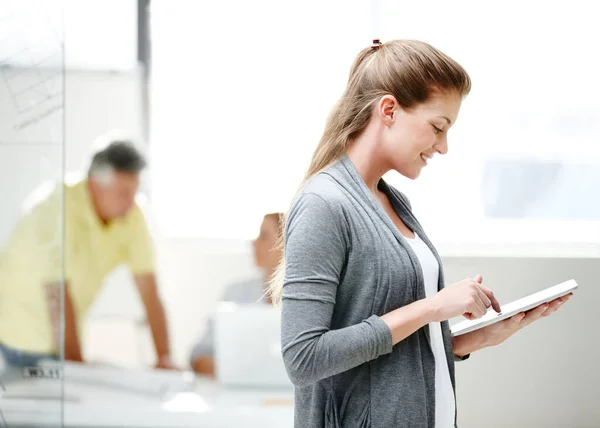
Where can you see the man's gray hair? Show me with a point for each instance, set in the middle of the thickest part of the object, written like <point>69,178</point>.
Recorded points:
<point>118,156</point>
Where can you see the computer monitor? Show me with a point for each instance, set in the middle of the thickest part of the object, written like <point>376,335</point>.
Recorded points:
<point>248,346</point>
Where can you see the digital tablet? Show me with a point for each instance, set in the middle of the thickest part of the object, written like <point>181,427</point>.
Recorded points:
<point>521,305</point>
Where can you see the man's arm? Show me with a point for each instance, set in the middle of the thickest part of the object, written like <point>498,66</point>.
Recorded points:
<point>148,289</point>
<point>72,351</point>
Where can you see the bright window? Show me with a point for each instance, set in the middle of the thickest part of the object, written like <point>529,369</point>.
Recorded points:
<point>241,91</point>
<point>240,94</point>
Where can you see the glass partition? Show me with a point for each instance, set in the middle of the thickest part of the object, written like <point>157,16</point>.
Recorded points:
<point>32,217</point>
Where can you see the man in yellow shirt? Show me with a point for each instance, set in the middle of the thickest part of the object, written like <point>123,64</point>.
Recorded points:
<point>76,235</point>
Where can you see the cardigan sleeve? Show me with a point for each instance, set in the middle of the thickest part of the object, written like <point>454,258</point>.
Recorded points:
<point>315,256</point>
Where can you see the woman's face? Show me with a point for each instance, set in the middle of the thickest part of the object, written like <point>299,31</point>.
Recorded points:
<point>412,137</point>
<point>265,254</point>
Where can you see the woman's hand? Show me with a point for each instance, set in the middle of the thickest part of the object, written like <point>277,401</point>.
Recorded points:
<point>467,297</point>
<point>497,333</point>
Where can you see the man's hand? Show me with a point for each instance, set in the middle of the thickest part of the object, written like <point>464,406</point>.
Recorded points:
<point>165,363</point>
<point>148,289</point>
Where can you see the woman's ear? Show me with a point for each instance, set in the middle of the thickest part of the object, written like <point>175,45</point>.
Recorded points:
<point>387,109</point>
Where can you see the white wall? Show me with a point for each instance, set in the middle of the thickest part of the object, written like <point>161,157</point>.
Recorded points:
<point>546,375</point>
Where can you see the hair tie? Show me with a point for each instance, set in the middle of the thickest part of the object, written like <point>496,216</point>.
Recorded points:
<point>376,44</point>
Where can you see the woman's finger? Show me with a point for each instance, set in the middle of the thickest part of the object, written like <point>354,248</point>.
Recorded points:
<point>479,308</point>
<point>490,295</point>
<point>517,319</point>
<point>484,298</point>
<point>474,310</point>
<point>535,314</point>
<point>554,305</point>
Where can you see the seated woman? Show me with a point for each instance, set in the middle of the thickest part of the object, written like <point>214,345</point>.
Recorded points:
<point>266,257</point>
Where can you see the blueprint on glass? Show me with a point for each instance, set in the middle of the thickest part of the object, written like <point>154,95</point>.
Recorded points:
<point>31,65</point>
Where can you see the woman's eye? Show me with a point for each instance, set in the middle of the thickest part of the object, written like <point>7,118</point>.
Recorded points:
<point>436,129</point>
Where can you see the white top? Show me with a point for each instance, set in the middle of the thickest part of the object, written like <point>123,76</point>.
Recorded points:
<point>444,394</point>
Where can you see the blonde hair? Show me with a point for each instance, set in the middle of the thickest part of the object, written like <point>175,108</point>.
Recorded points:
<point>410,71</point>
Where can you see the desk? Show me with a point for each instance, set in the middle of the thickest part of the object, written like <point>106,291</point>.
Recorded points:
<point>200,403</point>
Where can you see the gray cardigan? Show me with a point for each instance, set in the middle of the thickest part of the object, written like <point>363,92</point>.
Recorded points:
<point>346,265</point>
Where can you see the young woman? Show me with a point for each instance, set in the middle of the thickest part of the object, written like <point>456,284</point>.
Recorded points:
<point>365,313</point>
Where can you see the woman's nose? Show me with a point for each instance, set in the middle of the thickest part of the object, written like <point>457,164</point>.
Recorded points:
<point>442,146</point>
